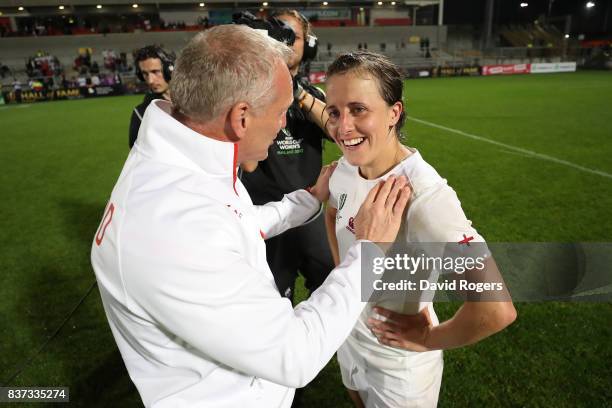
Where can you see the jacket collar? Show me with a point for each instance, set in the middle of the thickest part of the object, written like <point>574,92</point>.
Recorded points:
<point>167,140</point>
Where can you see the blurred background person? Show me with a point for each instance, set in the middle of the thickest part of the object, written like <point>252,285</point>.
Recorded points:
<point>153,66</point>
<point>294,161</point>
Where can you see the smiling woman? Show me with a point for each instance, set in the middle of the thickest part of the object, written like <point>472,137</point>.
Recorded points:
<point>366,112</point>
<point>393,356</point>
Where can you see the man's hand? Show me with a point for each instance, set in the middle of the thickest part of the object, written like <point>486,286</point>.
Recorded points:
<point>381,214</point>
<point>409,332</point>
<point>321,188</point>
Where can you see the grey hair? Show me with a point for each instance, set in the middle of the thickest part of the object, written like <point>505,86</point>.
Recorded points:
<point>222,66</point>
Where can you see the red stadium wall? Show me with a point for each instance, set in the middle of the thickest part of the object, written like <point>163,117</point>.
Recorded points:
<point>334,23</point>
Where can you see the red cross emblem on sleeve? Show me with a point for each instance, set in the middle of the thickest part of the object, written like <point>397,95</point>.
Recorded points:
<point>466,240</point>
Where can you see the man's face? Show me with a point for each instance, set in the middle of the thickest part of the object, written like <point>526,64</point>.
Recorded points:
<point>298,45</point>
<point>152,72</point>
<point>268,120</point>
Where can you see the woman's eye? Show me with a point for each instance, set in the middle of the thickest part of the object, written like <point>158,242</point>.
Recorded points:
<point>333,115</point>
<point>358,109</point>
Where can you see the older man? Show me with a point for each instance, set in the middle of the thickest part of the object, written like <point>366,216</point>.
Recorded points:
<point>180,255</point>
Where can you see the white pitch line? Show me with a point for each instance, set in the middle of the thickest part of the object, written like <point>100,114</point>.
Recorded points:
<point>514,148</point>
<point>5,107</point>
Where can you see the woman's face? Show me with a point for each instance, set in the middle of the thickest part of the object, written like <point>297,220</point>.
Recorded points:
<point>360,121</point>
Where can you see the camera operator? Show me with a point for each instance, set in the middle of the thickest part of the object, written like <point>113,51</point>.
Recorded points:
<point>294,161</point>
<point>153,66</point>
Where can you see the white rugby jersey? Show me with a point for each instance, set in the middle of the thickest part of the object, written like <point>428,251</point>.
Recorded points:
<point>434,215</point>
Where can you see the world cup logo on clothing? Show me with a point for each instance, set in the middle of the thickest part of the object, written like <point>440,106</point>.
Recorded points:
<point>288,145</point>
<point>341,201</point>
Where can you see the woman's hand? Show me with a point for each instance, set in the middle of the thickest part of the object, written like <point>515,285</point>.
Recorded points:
<point>472,322</point>
<point>409,332</point>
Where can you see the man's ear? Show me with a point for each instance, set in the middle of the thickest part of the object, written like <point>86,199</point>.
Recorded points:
<point>238,120</point>
<point>395,113</point>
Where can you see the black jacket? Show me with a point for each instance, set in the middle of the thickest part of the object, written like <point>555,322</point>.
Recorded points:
<point>294,159</point>
<point>137,115</point>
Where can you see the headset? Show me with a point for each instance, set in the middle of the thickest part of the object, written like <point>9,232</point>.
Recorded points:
<point>311,45</point>
<point>311,42</point>
<point>154,51</point>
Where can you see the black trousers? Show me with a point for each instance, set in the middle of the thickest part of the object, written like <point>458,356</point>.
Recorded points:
<point>302,249</point>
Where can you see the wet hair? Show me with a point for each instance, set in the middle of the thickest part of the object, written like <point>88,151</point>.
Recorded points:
<point>388,76</point>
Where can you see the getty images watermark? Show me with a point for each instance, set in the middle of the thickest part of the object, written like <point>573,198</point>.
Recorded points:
<point>424,272</point>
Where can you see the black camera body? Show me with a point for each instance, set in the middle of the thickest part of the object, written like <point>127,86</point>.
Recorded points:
<point>276,28</point>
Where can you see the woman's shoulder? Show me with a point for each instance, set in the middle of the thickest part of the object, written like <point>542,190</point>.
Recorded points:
<point>343,169</point>
<point>422,176</point>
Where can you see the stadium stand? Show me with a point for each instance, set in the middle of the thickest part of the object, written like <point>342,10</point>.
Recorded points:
<point>112,39</point>
<point>532,36</point>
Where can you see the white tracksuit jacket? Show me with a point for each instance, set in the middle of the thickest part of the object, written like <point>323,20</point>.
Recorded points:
<point>181,266</point>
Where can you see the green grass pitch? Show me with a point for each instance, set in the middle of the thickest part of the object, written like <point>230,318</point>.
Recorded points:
<point>60,160</point>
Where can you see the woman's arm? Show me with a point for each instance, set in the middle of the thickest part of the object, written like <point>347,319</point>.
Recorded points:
<point>472,322</point>
<point>314,109</point>
<point>330,227</point>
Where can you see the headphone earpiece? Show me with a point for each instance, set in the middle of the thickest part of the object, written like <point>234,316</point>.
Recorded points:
<point>311,45</point>
<point>311,42</point>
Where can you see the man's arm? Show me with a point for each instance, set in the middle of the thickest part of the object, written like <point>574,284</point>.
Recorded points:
<point>231,312</point>
<point>205,293</point>
<point>292,211</point>
<point>295,208</point>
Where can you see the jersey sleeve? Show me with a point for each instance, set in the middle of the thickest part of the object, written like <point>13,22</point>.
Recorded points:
<point>293,210</point>
<point>438,217</point>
